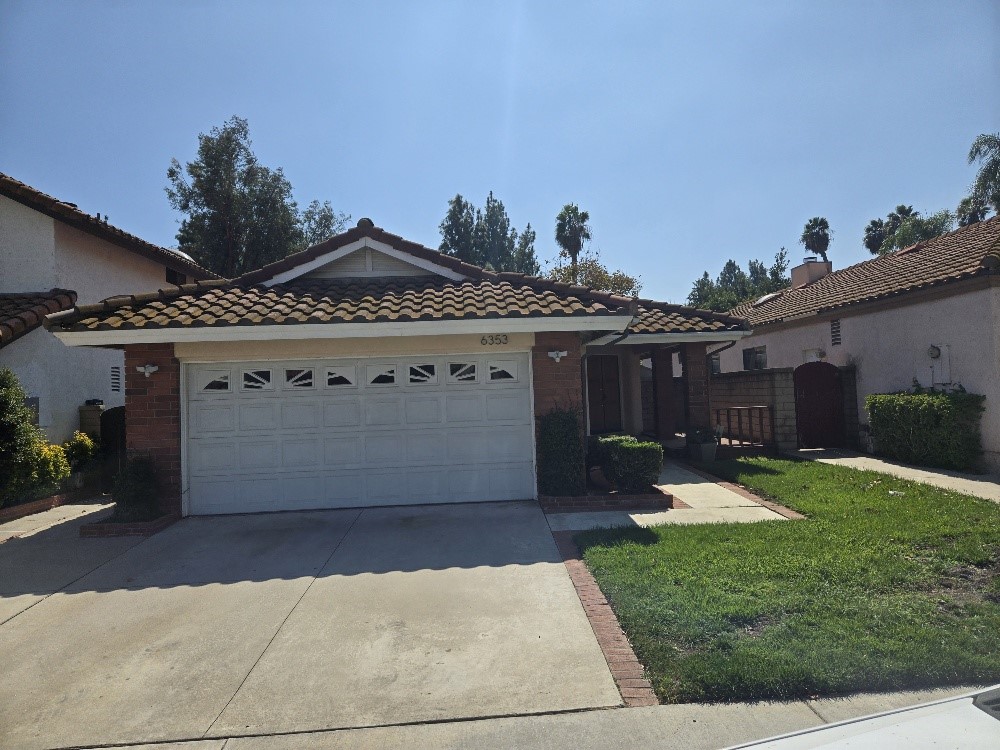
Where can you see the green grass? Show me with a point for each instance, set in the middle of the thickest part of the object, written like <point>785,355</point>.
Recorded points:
<point>874,591</point>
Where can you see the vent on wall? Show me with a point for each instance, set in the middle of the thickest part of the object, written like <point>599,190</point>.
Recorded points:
<point>116,379</point>
<point>835,332</point>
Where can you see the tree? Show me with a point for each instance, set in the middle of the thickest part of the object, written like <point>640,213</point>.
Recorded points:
<point>320,222</point>
<point>239,214</point>
<point>734,285</point>
<point>572,230</point>
<point>18,437</point>
<point>485,237</point>
<point>971,209</point>
<point>816,236</point>
<point>986,151</point>
<point>591,272</point>
<point>878,231</point>
<point>917,228</point>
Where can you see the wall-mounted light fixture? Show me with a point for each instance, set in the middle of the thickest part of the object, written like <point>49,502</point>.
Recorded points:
<point>147,370</point>
<point>933,351</point>
<point>558,355</point>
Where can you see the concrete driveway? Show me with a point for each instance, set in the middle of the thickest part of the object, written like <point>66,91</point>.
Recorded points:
<point>251,625</point>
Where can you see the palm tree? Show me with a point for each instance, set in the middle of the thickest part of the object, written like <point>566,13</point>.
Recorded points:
<point>572,230</point>
<point>986,150</point>
<point>816,236</point>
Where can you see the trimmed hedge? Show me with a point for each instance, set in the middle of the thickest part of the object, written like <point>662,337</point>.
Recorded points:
<point>929,428</point>
<point>561,470</point>
<point>597,447</point>
<point>631,466</point>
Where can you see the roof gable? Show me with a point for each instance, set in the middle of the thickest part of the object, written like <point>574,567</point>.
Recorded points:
<point>24,312</point>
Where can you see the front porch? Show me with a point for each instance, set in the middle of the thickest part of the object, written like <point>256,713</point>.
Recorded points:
<point>663,391</point>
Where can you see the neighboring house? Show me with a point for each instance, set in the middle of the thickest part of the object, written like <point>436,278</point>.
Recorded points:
<point>929,313</point>
<point>47,244</point>
<point>369,370</point>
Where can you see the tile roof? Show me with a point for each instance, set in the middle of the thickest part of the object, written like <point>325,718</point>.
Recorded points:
<point>69,214</point>
<point>480,295</point>
<point>24,312</point>
<point>954,256</point>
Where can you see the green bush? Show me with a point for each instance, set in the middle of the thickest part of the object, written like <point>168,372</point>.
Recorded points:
<point>80,450</point>
<point>632,466</point>
<point>560,453</point>
<point>49,466</point>
<point>18,440</point>
<point>135,490</point>
<point>597,447</point>
<point>929,428</point>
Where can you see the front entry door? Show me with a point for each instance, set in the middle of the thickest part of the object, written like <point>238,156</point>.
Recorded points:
<point>603,394</point>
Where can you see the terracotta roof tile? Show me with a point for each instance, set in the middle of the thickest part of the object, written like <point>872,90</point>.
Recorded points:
<point>23,313</point>
<point>481,294</point>
<point>951,257</point>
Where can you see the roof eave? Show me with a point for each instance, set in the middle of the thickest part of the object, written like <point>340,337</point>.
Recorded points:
<point>340,330</point>
<point>641,339</point>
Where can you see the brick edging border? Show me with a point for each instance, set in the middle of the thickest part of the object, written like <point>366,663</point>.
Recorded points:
<point>658,500</point>
<point>626,669</point>
<point>781,510</point>
<point>136,528</point>
<point>43,504</point>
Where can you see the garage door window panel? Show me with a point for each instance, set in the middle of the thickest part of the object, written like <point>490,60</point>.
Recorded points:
<point>257,380</point>
<point>215,381</point>
<point>299,378</point>
<point>463,372</point>
<point>381,374</point>
<point>422,374</point>
<point>503,370</point>
<point>341,377</point>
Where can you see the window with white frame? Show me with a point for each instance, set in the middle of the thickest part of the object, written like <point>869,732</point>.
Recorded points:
<point>337,377</point>
<point>422,374</point>
<point>381,374</point>
<point>300,377</point>
<point>257,380</point>
<point>755,358</point>
<point>463,372</point>
<point>503,370</point>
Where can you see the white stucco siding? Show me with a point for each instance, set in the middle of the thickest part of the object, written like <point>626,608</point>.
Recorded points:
<point>27,249</point>
<point>96,269</point>
<point>889,348</point>
<point>62,378</point>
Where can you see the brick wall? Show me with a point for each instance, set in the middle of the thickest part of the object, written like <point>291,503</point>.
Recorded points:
<point>557,383</point>
<point>153,415</point>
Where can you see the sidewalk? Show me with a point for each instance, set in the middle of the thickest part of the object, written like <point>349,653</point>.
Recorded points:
<point>986,486</point>
<point>685,726</point>
<point>706,501</point>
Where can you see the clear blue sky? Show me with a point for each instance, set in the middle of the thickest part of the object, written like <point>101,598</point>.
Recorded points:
<point>691,132</point>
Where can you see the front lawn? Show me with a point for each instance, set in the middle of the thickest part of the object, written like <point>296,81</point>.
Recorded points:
<point>888,584</point>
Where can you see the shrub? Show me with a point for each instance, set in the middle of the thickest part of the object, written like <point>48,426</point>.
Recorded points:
<point>49,465</point>
<point>135,489</point>
<point>597,447</point>
<point>80,449</point>
<point>560,453</point>
<point>18,439</point>
<point>632,466</point>
<point>931,428</point>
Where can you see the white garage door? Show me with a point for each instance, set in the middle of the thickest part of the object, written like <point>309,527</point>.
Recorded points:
<point>343,433</point>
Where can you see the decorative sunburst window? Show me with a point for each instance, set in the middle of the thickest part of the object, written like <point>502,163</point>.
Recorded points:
<point>462,372</point>
<point>340,376</point>
<point>257,380</point>
<point>423,373</point>
<point>503,371</point>
<point>381,374</point>
<point>299,378</point>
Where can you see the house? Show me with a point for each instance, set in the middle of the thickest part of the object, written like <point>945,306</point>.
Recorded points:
<point>370,370</point>
<point>52,256</point>
<point>928,314</point>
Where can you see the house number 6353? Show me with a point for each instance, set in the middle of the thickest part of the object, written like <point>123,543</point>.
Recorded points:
<point>494,340</point>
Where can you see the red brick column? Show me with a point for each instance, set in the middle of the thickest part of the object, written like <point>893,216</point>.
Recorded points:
<point>557,383</point>
<point>153,415</point>
<point>663,393</point>
<point>696,375</point>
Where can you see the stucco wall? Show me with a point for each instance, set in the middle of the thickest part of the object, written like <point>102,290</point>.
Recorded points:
<point>38,253</point>
<point>62,378</point>
<point>27,249</point>
<point>889,349</point>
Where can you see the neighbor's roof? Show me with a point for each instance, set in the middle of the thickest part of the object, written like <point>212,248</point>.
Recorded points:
<point>24,312</point>
<point>479,295</point>
<point>69,214</point>
<point>951,257</point>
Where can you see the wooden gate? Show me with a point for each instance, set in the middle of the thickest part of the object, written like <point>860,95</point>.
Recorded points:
<point>819,405</point>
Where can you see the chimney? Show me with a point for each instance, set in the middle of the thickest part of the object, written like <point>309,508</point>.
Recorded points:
<point>811,270</point>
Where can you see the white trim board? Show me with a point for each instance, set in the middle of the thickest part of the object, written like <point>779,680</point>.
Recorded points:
<point>346,250</point>
<point>342,330</point>
<point>637,339</point>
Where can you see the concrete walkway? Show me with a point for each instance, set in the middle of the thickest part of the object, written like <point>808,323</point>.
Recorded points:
<point>986,486</point>
<point>676,727</point>
<point>708,502</point>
